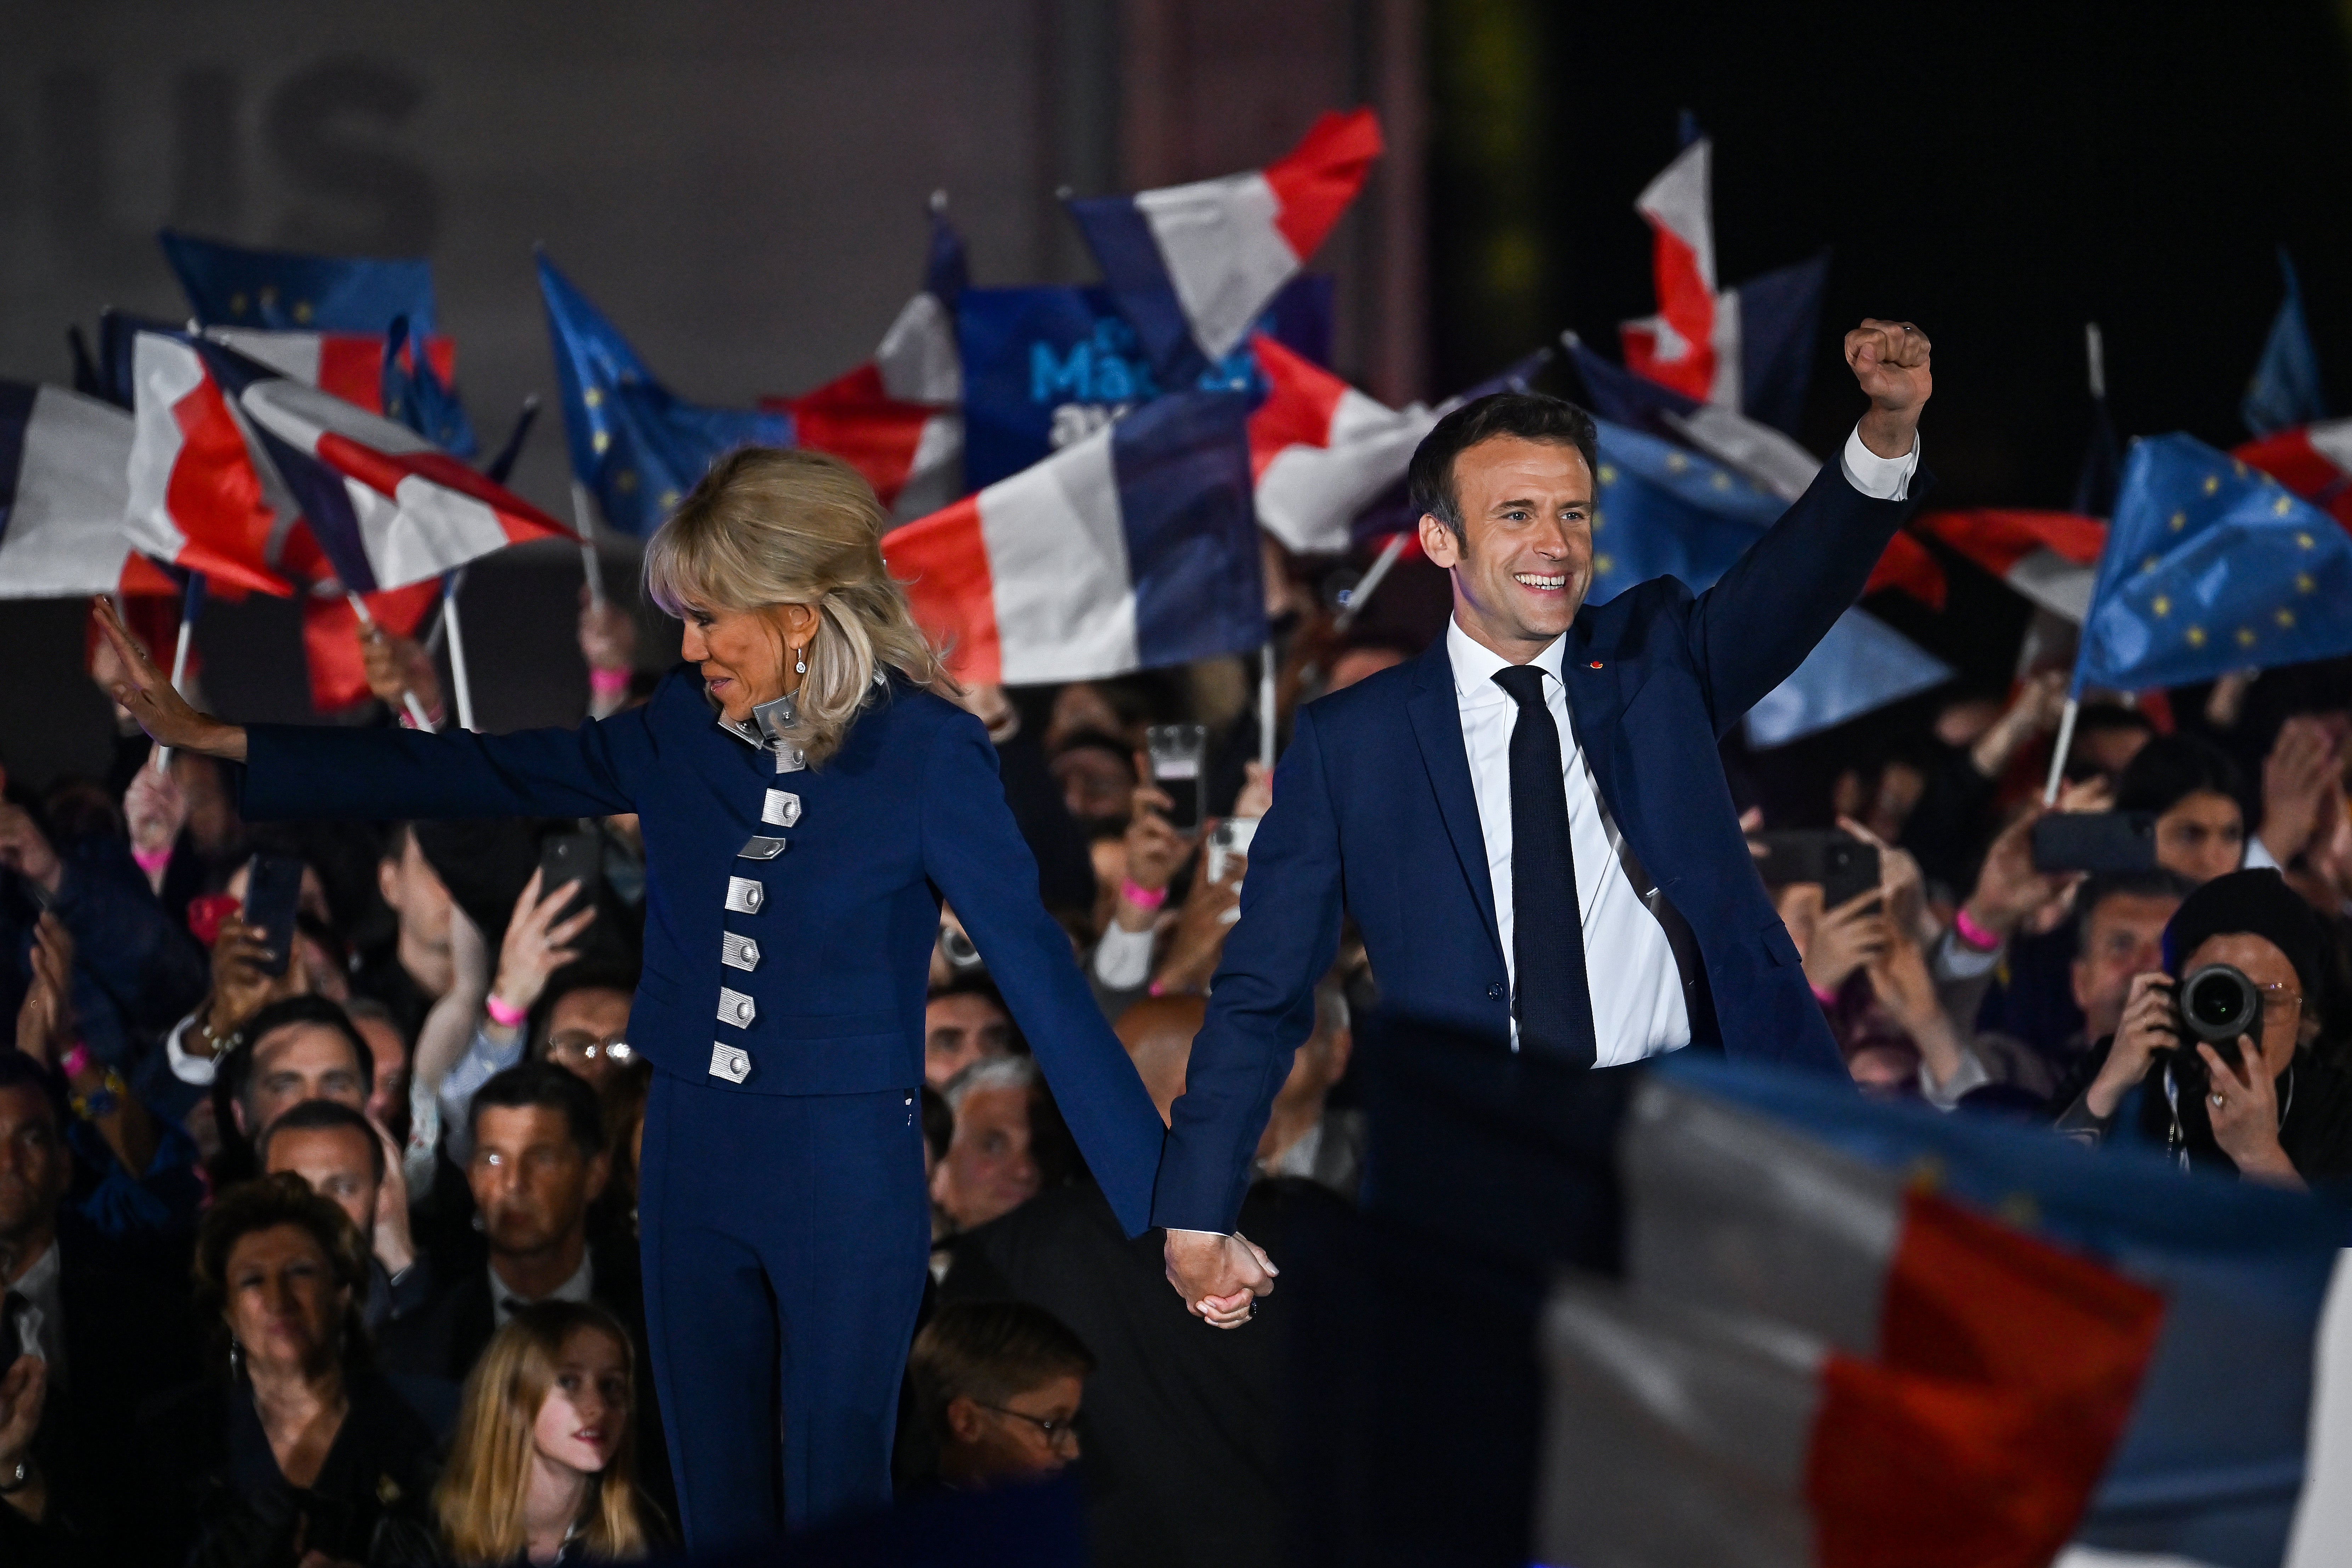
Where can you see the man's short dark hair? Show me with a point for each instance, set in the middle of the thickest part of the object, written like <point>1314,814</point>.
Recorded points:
<point>323,1116</point>
<point>584,974</point>
<point>1529,416</point>
<point>544,1086</point>
<point>236,1067</point>
<point>2097,890</point>
<point>2169,769</point>
<point>989,1353</point>
<point>18,1071</point>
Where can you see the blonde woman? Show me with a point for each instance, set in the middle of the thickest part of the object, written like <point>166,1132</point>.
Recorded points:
<point>542,1471</point>
<point>806,800</point>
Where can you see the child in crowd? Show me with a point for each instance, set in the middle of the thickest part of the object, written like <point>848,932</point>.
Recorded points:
<point>997,1386</point>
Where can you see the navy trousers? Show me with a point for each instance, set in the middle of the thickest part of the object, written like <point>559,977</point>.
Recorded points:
<point>785,1239</point>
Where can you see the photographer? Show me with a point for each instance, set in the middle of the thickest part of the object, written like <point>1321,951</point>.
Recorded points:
<point>2280,1113</point>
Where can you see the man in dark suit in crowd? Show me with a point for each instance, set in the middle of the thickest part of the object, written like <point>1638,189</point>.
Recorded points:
<point>539,1164</point>
<point>1529,822</point>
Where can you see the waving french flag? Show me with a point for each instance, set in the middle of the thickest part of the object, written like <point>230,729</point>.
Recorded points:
<point>1747,349</point>
<point>2313,461</point>
<point>62,461</point>
<point>1193,266</point>
<point>196,497</point>
<point>1129,550</point>
<point>1323,451</point>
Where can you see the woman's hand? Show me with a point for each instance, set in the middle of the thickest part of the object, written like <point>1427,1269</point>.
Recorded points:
<point>1208,916</point>
<point>147,695</point>
<point>1154,850</point>
<point>2242,1104</point>
<point>1845,939</point>
<point>2149,1025</point>
<point>155,810</point>
<point>45,1023</point>
<point>396,666</point>
<point>537,944</point>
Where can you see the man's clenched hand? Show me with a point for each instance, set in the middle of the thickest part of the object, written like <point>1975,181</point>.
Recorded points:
<point>1889,359</point>
<point>1220,1277</point>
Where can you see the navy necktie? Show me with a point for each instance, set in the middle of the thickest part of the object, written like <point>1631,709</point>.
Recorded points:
<point>1554,1000</point>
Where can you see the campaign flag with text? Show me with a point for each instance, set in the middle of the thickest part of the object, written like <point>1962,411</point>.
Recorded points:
<point>637,447</point>
<point>386,506</point>
<point>1748,349</point>
<point>2210,565</point>
<point>1133,548</point>
<point>64,462</point>
<point>284,291</point>
<point>1192,266</point>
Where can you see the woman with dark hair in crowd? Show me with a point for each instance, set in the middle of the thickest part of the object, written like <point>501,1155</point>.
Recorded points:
<point>782,1001</point>
<point>2282,1111</point>
<point>297,1451</point>
<point>542,1470</point>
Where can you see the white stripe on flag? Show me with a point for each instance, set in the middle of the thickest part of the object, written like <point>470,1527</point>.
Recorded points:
<point>1749,445</point>
<point>1057,556</point>
<point>918,360</point>
<point>163,372</point>
<point>423,531</point>
<point>2323,1523</point>
<point>1673,1437</point>
<point>1222,252</point>
<point>64,534</point>
<point>2332,440</point>
<point>297,354</point>
<point>2056,584</point>
<point>1308,496</point>
<point>299,415</point>
<point>2093,1557</point>
<point>934,476</point>
<point>1679,198</point>
<point>1726,389</point>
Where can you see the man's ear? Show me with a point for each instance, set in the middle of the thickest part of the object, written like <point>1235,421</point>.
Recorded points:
<point>600,1172</point>
<point>237,1114</point>
<point>963,1419</point>
<point>1437,542</point>
<point>387,882</point>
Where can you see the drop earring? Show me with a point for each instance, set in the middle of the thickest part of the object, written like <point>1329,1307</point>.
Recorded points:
<point>800,661</point>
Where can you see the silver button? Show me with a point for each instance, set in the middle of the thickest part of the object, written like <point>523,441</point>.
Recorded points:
<point>738,951</point>
<point>731,1062</point>
<point>783,808</point>
<point>745,896</point>
<point>736,1008</point>
<point>789,759</point>
<point>758,848</point>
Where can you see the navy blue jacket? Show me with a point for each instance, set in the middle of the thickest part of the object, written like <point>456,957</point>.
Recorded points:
<point>1373,811</point>
<point>907,810</point>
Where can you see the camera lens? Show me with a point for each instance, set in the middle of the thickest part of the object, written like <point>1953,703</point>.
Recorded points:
<point>2218,1003</point>
<point>958,948</point>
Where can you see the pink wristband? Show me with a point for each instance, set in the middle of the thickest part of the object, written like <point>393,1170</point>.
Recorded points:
<point>608,682</point>
<point>1142,898</point>
<point>1826,998</point>
<point>152,861</point>
<point>504,1013</point>
<point>1975,935</point>
<point>76,1061</point>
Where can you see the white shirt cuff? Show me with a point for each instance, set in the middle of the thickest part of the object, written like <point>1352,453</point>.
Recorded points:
<point>2259,857</point>
<point>1955,960</point>
<point>1880,479</point>
<point>1971,1074</point>
<point>1123,957</point>
<point>197,1070</point>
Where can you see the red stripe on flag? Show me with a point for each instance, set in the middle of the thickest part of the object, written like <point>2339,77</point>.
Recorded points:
<point>1997,538</point>
<point>214,497</point>
<point>853,419</point>
<point>2006,1371</point>
<point>350,365</point>
<point>1315,181</point>
<point>331,639</point>
<point>382,471</point>
<point>943,561</point>
<point>1684,305</point>
<point>2291,459</point>
<point>1301,399</point>
<point>1908,565</point>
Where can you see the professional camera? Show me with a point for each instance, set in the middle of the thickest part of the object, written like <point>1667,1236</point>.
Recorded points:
<point>2217,1005</point>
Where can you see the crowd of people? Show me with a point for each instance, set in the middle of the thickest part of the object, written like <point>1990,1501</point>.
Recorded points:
<point>318,1240</point>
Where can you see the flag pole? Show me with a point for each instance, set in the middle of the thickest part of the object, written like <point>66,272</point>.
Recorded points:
<point>2058,751</point>
<point>1266,704</point>
<point>1372,579</point>
<point>192,598</point>
<point>2095,349</point>
<point>459,680</point>
<point>583,514</point>
<point>416,713</point>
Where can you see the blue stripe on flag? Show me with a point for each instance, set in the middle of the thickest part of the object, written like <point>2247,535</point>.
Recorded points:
<point>317,489</point>
<point>16,400</point>
<point>1182,463</point>
<point>1137,275</point>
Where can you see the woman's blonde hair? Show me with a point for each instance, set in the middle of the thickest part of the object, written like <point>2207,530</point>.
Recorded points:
<point>481,1495</point>
<point>771,526</point>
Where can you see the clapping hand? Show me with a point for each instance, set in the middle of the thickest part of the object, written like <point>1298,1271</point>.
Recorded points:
<point>45,1023</point>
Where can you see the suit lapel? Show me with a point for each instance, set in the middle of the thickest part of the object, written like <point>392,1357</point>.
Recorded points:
<point>1594,703</point>
<point>1436,718</point>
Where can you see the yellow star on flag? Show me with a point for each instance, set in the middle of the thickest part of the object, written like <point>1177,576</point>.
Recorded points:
<point>2196,636</point>
<point>1608,473</point>
<point>625,481</point>
<point>2245,636</point>
<point>2213,484</point>
<point>302,311</point>
<point>1602,565</point>
<point>2162,604</point>
<point>2284,618</point>
<point>2180,520</point>
<point>599,440</point>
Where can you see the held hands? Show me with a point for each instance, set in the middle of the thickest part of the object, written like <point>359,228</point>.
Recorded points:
<point>1890,360</point>
<point>1220,1277</point>
<point>146,694</point>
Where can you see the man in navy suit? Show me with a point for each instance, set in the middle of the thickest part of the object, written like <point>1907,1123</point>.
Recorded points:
<point>1529,822</point>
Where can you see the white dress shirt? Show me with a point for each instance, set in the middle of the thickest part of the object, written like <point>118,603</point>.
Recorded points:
<point>581,1287</point>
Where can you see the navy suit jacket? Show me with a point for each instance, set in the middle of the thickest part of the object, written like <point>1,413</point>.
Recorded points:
<point>909,809</point>
<point>1373,812</point>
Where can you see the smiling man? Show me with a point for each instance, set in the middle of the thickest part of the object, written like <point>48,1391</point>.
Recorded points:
<point>1529,822</point>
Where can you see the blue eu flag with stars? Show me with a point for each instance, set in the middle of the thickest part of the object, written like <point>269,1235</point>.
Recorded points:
<point>636,448</point>
<point>285,291</point>
<point>2211,566</point>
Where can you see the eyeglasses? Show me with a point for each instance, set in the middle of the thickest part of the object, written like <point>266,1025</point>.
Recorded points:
<point>579,1046</point>
<point>1056,1431</point>
<point>2277,999</point>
